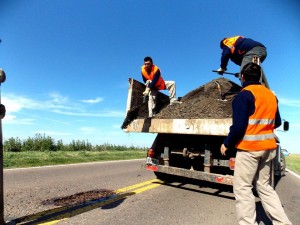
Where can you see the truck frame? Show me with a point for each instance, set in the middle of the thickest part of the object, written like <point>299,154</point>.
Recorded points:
<point>187,147</point>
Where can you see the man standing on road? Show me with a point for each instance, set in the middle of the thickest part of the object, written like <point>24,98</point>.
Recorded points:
<point>255,116</point>
<point>154,82</point>
<point>241,51</point>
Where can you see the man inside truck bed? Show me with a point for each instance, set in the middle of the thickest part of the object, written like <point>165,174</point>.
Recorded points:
<point>241,51</point>
<point>153,80</point>
<point>255,115</point>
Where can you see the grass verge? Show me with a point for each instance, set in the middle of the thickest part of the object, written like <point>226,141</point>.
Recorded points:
<point>293,162</point>
<point>31,159</point>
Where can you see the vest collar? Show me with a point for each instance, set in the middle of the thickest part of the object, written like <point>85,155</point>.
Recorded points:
<point>247,83</point>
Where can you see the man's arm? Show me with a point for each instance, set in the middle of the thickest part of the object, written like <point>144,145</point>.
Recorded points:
<point>277,117</point>
<point>225,57</point>
<point>144,79</point>
<point>242,107</point>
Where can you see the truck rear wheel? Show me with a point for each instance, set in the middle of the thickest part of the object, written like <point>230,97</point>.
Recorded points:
<point>282,164</point>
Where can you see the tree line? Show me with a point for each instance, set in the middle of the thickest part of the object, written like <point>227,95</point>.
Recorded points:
<point>43,143</point>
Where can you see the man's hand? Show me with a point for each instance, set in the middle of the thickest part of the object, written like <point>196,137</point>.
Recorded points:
<point>2,111</point>
<point>237,75</point>
<point>148,82</point>
<point>223,149</point>
<point>221,71</point>
<point>146,92</point>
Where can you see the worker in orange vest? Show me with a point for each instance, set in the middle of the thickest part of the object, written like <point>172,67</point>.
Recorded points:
<point>241,51</point>
<point>153,80</point>
<point>255,115</point>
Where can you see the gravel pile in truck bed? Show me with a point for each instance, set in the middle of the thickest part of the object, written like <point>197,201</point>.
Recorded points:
<point>203,102</point>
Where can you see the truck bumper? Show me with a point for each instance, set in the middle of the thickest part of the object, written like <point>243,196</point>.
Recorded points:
<point>198,175</point>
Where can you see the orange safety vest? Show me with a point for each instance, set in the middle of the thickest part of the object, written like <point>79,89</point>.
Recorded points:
<point>160,84</point>
<point>230,42</point>
<point>260,130</point>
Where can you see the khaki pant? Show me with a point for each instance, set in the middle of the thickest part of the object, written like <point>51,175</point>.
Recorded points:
<point>254,167</point>
<point>170,86</point>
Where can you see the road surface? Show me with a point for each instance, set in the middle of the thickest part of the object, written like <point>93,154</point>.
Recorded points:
<point>139,198</point>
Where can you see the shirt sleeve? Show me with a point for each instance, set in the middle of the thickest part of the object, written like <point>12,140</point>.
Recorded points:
<point>243,106</point>
<point>144,79</point>
<point>277,117</point>
<point>225,57</point>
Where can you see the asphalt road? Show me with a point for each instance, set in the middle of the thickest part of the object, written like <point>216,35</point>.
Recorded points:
<point>140,198</point>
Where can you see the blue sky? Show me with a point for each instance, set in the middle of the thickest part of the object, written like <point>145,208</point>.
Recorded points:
<point>68,62</point>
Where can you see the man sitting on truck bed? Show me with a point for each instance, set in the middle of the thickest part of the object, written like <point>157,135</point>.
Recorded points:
<point>255,115</point>
<point>154,82</point>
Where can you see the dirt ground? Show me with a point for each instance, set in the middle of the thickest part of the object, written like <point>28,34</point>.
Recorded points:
<point>206,101</point>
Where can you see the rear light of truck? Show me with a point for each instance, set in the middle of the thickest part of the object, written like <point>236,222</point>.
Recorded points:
<point>231,163</point>
<point>150,153</point>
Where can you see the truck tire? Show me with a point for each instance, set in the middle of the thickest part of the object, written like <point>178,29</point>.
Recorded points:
<point>282,164</point>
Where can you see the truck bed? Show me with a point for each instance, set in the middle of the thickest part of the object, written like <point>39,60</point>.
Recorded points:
<point>136,119</point>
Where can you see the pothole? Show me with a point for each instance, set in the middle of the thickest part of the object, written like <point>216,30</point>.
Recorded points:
<point>79,198</point>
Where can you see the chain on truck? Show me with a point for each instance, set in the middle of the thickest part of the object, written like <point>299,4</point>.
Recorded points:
<point>188,147</point>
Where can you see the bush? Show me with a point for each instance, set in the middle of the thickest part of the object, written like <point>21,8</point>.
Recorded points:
<point>12,145</point>
<point>39,143</point>
<point>42,143</point>
<point>80,146</point>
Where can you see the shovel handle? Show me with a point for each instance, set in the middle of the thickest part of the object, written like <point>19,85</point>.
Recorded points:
<point>235,74</point>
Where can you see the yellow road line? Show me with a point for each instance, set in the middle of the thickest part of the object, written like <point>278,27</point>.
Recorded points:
<point>125,189</point>
<point>146,188</point>
<point>52,222</point>
<point>123,193</point>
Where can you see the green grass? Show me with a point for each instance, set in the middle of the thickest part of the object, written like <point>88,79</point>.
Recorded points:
<point>293,162</point>
<point>31,159</point>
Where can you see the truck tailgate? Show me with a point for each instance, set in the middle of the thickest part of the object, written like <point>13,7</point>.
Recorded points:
<point>181,126</point>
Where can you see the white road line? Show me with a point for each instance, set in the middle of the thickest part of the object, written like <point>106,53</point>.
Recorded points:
<point>296,175</point>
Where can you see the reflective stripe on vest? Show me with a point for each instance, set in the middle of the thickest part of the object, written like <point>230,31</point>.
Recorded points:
<point>160,84</point>
<point>260,130</point>
<point>261,121</point>
<point>258,137</point>
<point>230,42</point>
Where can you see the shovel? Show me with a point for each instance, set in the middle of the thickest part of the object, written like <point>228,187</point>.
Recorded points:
<point>235,74</point>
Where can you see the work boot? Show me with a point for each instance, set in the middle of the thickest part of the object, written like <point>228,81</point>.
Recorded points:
<point>175,102</point>
<point>151,116</point>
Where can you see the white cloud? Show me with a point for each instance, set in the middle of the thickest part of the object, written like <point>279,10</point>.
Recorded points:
<point>58,98</point>
<point>100,114</point>
<point>289,102</point>
<point>16,103</point>
<point>92,101</point>
<point>11,119</point>
<point>56,103</point>
<point>88,130</point>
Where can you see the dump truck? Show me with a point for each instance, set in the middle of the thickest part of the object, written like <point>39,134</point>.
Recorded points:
<point>189,135</point>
